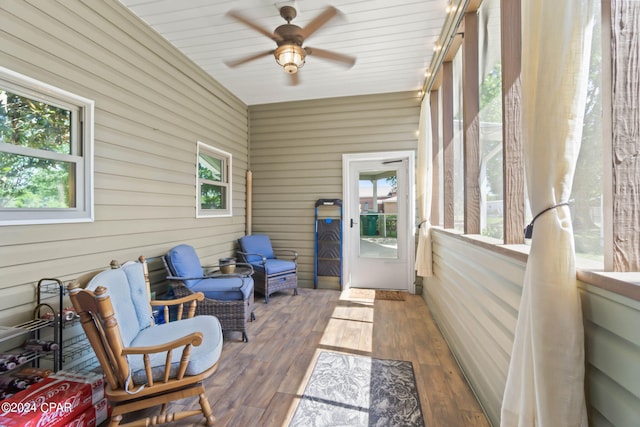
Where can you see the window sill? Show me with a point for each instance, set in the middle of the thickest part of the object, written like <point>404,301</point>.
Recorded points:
<point>624,284</point>
<point>587,271</point>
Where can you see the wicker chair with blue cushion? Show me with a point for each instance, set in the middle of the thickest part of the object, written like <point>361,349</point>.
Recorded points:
<point>145,364</point>
<point>272,273</point>
<point>229,297</point>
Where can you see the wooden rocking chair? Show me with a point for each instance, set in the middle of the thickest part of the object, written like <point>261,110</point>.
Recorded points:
<point>145,364</point>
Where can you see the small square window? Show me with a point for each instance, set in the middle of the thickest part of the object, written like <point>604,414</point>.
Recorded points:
<point>213,182</point>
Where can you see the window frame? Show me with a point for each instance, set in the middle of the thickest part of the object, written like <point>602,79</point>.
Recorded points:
<point>226,159</point>
<point>615,216</point>
<point>81,156</point>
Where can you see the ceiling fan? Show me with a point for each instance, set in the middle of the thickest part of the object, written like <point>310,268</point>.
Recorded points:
<point>289,53</point>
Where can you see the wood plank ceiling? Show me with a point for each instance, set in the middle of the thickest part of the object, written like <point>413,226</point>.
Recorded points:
<point>393,42</point>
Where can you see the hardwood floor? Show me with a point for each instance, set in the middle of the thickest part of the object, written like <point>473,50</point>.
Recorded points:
<point>259,383</point>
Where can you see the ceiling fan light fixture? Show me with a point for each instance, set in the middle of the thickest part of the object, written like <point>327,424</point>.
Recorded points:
<point>290,57</point>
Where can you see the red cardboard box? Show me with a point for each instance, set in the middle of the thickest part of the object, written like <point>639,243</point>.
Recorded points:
<point>53,402</point>
<point>91,417</point>
<point>94,381</point>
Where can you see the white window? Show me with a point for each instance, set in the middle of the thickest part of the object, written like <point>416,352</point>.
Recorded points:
<point>46,153</point>
<point>587,201</point>
<point>214,182</point>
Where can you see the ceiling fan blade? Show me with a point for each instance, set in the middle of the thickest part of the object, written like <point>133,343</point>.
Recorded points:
<point>249,23</point>
<point>319,21</point>
<point>347,60</point>
<point>244,60</point>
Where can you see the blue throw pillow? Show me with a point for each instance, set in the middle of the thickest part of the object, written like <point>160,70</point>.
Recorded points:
<point>257,244</point>
<point>184,262</point>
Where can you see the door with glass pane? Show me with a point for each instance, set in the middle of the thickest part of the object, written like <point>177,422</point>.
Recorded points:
<point>377,221</point>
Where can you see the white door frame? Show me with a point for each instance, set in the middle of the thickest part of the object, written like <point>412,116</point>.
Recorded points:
<point>347,160</point>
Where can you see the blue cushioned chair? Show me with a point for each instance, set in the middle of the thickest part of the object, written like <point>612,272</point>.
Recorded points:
<point>145,364</point>
<point>229,297</point>
<point>272,273</point>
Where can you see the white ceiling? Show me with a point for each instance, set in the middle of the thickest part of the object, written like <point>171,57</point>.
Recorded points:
<point>393,42</point>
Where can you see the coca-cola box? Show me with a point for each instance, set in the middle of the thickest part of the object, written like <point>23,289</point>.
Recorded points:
<point>92,416</point>
<point>53,402</point>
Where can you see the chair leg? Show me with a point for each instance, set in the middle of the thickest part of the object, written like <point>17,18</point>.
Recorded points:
<point>245,337</point>
<point>206,410</point>
<point>253,316</point>
<point>295,291</point>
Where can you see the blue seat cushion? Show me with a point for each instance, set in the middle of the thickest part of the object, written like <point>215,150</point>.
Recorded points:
<point>184,262</point>
<point>257,244</point>
<point>202,356</point>
<point>225,288</point>
<point>274,266</point>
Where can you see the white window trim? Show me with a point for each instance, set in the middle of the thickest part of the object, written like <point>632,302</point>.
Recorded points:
<point>84,211</point>
<point>214,213</point>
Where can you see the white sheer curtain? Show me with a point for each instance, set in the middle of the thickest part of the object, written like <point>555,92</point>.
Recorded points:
<point>545,384</point>
<point>424,266</point>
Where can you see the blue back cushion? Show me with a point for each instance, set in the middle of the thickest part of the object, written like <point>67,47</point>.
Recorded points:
<point>257,244</point>
<point>125,311</point>
<point>184,262</point>
<point>139,292</point>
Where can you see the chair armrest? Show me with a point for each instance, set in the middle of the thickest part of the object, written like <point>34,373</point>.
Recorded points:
<point>290,252</point>
<point>185,278</point>
<point>198,296</point>
<point>245,254</point>
<point>180,302</point>
<point>193,339</point>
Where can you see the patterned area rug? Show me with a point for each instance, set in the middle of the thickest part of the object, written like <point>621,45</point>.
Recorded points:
<point>376,294</point>
<point>347,390</point>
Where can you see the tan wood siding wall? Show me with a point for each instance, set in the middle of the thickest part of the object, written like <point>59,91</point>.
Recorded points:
<point>151,106</point>
<point>612,342</point>
<point>296,158</point>
<point>474,296</point>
